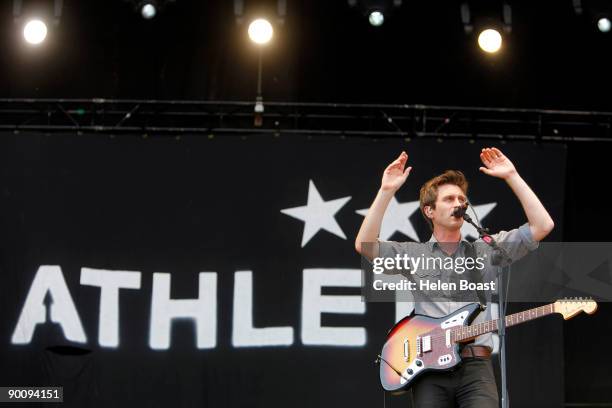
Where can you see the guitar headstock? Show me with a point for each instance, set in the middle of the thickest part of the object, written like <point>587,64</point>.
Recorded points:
<point>570,307</point>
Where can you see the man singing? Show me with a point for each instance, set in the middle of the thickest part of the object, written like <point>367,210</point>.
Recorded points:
<point>473,383</point>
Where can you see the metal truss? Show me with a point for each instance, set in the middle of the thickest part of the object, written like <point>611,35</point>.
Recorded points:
<point>175,118</point>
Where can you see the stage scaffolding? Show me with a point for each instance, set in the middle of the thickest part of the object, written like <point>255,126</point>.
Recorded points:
<point>215,118</point>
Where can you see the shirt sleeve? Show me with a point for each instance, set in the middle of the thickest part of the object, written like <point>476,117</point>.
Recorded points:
<point>517,242</point>
<point>390,249</point>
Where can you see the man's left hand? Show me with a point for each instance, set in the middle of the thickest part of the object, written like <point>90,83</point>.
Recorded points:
<point>496,164</point>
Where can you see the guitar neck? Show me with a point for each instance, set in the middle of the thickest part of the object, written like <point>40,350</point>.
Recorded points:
<point>467,333</point>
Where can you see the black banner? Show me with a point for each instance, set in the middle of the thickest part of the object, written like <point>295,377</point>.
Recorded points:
<point>221,271</point>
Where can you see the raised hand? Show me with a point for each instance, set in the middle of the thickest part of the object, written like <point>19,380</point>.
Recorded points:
<point>497,165</point>
<point>395,175</point>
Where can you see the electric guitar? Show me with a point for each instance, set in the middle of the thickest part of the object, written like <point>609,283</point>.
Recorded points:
<point>419,344</point>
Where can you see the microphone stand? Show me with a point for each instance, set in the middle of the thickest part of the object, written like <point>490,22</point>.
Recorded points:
<point>499,256</point>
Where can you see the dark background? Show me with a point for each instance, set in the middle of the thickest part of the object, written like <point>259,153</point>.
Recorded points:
<point>325,52</point>
<point>60,194</point>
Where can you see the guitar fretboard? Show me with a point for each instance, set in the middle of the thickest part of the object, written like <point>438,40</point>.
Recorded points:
<point>464,333</point>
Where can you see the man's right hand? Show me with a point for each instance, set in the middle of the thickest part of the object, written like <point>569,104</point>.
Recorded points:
<point>393,178</point>
<point>395,175</point>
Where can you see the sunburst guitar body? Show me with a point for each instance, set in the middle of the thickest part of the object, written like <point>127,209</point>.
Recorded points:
<point>418,344</point>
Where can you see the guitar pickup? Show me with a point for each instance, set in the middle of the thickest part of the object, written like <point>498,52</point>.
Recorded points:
<point>406,350</point>
<point>423,345</point>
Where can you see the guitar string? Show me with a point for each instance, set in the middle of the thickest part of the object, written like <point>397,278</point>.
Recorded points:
<point>480,325</point>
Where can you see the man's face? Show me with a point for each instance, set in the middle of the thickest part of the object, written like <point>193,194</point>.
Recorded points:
<point>449,197</point>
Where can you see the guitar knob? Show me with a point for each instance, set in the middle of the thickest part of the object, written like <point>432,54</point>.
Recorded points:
<point>419,363</point>
<point>409,371</point>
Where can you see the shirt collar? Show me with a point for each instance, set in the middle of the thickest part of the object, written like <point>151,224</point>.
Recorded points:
<point>433,242</point>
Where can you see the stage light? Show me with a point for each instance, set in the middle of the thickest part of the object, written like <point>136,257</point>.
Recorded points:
<point>260,31</point>
<point>376,11</point>
<point>148,10</point>
<point>35,32</point>
<point>376,18</point>
<point>490,40</point>
<point>598,13</point>
<point>604,24</point>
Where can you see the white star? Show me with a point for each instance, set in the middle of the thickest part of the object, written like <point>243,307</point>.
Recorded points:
<point>397,218</point>
<point>467,230</point>
<point>318,214</point>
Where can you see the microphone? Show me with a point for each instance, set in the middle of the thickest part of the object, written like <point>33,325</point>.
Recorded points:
<point>459,212</point>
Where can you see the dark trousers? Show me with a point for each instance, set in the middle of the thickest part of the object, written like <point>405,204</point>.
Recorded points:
<point>472,385</point>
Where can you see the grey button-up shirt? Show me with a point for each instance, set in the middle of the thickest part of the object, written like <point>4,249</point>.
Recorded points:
<point>438,303</point>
